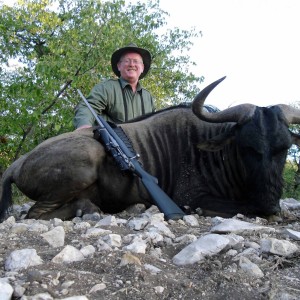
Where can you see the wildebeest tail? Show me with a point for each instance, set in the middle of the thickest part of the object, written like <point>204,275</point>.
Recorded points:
<point>6,196</point>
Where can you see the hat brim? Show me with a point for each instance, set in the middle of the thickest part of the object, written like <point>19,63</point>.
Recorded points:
<point>145,54</point>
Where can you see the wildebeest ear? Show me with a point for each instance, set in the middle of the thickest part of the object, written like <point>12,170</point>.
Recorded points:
<point>217,142</point>
<point>295,138</point>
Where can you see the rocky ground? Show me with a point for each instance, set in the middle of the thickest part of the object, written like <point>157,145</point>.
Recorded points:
<point>137,255</point>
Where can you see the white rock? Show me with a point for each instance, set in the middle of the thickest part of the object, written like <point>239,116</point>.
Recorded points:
<point>88,251</point>
<point>107,221</point>
<point>41,296</point>
<point>207,245</point>
<point>235,241</point>
<point>22,259</point>
<point>137,223</point>
<point>154,237</point>
<point>121,221</point>
<point>113,240</point>
<point>94,232</point>
<point>68,226</point>
<point>251,244</point>
<point>37,227</point>
<point>157,218</point>
<point>278,247</point>
<point>16,208</point>
<point>152,269</point>
<point>29,221</point>
<point>185,239</point>
<point>82,226</point>
<point>76,298</point>
<point>18,291</point>
<point>217,220</point>
<point>231,252</point>
<point>67,284</point>
<point>26,206</point>
<point>161,228</point>
<point>9,222</point>
<point>250,253</point>
<point>128,238</point>
<point>155,252</point>
<point>19,228</point>
<point>138,246</point>
<point>102,246</point>
<point>295,235</point>
<point>159,289</point>
<point>6,291</point>
<point>250,268</point>
<point>191,220</point>
<point>55,237</point>
<point>56,222</point>
<point>97,287</point>
<point>238,226</point>
<point>289,204</point>
<point>152,210</point>
<point>67,255</point>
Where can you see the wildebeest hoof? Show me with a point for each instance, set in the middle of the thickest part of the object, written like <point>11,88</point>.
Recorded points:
<point>85,206</point>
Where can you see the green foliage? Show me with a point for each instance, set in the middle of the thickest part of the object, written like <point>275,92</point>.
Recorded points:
<point>291,187</point>
<point>292,169</point>
<point>64,45</point>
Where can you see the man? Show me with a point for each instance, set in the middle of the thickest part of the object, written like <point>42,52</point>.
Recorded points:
<point>122,99</point>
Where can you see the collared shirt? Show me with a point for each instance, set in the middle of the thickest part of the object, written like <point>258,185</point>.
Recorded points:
<point>114,103</point>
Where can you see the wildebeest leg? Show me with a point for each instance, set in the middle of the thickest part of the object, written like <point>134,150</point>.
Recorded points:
<point>46,211</point>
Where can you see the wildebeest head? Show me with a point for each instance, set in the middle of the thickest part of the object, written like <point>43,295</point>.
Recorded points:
<point>261,139</point>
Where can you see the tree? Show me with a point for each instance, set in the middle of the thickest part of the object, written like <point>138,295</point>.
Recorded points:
<point>292,169</point>
<point>61,45</point>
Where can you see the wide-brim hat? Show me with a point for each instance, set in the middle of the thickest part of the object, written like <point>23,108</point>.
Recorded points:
<point>145,54</point>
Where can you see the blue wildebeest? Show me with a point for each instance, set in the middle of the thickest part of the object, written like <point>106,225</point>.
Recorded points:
<point>226,162</point>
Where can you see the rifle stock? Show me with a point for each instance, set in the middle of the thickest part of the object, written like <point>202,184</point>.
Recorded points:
<point>159,198</point>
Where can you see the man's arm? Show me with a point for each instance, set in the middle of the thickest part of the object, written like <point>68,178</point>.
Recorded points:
<point>98,100</point>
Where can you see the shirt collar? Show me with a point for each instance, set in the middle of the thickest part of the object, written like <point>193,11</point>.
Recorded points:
<point>125,83</point>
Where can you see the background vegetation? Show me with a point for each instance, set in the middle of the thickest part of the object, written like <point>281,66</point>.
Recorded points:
<point>60,46</point>
<point>48,49</point>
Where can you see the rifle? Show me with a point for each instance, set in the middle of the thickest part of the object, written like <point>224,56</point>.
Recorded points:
<point>127,160</point>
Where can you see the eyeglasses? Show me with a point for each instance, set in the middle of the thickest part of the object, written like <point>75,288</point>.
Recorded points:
<point>128,61</point>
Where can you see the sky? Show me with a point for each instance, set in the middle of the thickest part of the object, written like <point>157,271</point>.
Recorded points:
<point>254,43</point>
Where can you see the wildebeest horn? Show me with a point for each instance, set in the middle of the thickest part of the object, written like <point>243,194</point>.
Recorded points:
<point>239,113</point>
<point>291,114</point>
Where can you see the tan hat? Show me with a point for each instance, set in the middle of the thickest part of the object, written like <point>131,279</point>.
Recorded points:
<point>145,54</point>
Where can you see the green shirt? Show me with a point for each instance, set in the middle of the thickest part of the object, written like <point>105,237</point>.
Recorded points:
<point>113,103</point>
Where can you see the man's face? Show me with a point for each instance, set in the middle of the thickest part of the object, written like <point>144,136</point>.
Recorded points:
<point>131,66</point>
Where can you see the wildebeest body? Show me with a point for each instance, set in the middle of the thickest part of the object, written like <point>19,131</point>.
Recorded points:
<point>225,167</point>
